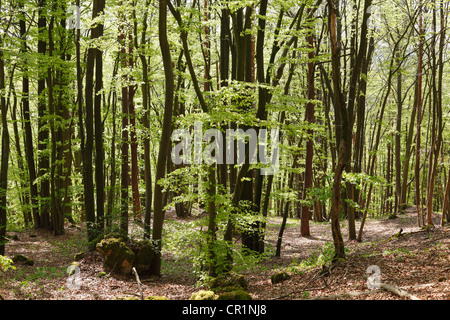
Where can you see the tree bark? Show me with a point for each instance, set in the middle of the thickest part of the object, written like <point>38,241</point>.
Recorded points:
<point>163,146</point>
<point>99,149</point>
<point>28,141</point>
<point>43,167</point>
<point>4,153</point>
<point>309,118</point>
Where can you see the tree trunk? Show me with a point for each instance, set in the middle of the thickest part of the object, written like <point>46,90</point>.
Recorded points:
<point>28,141</point>
<point>341,112</point>
<point>418,200</point>
<point>146,123</point>
<point>42,124</point>
<point>309,117</point>
<point>4,153</point>
<point>99,150</point>
<point>397,141</point>
<point>163,146</point>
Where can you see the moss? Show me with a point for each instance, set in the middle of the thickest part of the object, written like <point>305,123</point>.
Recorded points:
<point>117,255</point>
<point>21,258</point>
<point>203,295</point>
<point>235,295</point>
<point>228,282</point>
<point>145,252</point>
<point>279,277</point>
<point>428,227</point>
<point>156,298</point>
<point>78,256</point>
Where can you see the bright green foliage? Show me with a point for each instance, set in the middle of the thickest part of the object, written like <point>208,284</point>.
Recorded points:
<point>5,264</point>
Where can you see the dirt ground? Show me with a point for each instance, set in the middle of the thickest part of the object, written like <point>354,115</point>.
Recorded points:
<point>418,262</point>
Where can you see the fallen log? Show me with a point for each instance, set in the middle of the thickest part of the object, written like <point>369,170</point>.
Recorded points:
<point>397,291</point>
<point>383,287</point>
<point>344,295</point>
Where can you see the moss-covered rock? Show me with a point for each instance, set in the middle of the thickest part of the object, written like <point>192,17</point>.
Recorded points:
<point>204,295</point>
<point>228,282</point>
<point>117,255</point>
<point>78,256</point>
<point>22,258</point>
<point>145,252</point>
<point>235,295</point>
<point>101,274</point>
<point>156,298</point>
<point>279,277</point>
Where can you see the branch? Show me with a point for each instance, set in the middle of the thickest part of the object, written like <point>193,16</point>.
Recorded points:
<point>383,287</point>
<point>397,291</point>
<point>138,282</point>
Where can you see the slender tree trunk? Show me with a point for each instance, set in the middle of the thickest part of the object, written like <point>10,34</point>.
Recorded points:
<point>4,153</point>
<point>419,120</point>
<point>397,141</point>
<point>436,88</point>
<point>163,147</point>
<point>340,111</point>
<point>124,180</point>
<point>81,126</point>
<point>133,139</point>
<point>42,124</point>
<point>29,150</point>
<point>98,129</point>
<point>91,109</point>
<point>309,117</point>
<point>146,123</point>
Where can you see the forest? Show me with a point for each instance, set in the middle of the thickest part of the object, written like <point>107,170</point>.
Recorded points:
<point>224,150</point>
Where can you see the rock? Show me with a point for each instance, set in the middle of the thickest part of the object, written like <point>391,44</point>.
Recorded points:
<point>279,277</point>
<point>144,252</point>
<point>156,298</point>
<point>228,282</point>
<point>428,227</point>
<point>235,295</point>
<point>21,258</point>
<point>78,256</point>
<point>117,255</point>
<point>204,295</point>
<point>101,274</point>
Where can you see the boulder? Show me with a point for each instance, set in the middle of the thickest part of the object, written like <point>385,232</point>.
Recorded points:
<point>144,252</point>
<point>280,277</point>
<point>228,282</point>
<point>156,298</point>
<point>101,274</point>
<point>117,255</point>
<point>78,256</point>
<point>204,295</point>
<point>21,258</point>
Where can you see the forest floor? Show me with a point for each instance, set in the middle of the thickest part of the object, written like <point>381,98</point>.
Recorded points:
<point>418,262</point>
